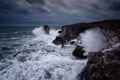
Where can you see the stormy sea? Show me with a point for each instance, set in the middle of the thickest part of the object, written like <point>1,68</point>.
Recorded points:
<point>27,53</point>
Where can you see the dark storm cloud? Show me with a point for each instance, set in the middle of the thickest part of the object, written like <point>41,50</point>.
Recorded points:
<point>21,6</point>
<point>58,11</point>
<point>113,5</point>
<point>36,1</point>
<point>8,7</point>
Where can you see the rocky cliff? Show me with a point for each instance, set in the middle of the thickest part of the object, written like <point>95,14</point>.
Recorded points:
<point>101,65</point>
<point>110,29</point>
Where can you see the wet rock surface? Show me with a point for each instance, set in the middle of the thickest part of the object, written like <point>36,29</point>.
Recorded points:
<point>102,66</point>
<point>110,28</point>
<point>46,28</point>
<point>78,52</point>
<point>58,40</point>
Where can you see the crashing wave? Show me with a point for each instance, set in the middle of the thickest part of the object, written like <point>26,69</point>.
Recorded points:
<point>39,59</point>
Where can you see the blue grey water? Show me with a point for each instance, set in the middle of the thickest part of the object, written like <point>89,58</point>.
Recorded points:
<point>27,53</point>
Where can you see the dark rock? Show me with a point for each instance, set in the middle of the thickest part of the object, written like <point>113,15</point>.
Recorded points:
<point>72,42</point>
<point>78,52</point>
<point>111,36</point>
<point>59,31</point>
<point>112,56</point>
<point>107,69</point>
<point>46,29</point>
<point>94,57</point>
<point>102,65</point>
<point>58,40</point>
<point>110,28</point>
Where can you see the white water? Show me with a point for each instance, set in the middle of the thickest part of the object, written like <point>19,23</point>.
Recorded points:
<point>40,59</point>
<point>93,40</point>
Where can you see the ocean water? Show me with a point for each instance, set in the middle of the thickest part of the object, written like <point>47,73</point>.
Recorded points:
<point>27,53</point>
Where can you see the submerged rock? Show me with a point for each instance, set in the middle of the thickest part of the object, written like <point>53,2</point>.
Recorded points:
<point>46,28</point>
<point>72,42</point>
<point>59,31</point>
<point>78,52</point>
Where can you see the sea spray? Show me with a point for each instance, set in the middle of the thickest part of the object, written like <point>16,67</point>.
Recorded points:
<point>93,40</point>
<point>38,31</point>
<point>37,58</point>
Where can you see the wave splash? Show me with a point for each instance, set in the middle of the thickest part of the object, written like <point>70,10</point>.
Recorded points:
<point>39,59</point>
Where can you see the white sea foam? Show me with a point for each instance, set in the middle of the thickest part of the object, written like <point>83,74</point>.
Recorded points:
<point>39,59</point>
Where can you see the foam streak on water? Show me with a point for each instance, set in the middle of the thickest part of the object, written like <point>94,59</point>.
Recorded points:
<point>37,58</point>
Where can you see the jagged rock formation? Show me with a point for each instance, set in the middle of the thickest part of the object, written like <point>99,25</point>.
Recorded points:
<point>110,29</point>
<point>101,65</point>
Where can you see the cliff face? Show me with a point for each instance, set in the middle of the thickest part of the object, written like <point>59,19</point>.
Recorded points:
<point>110,28</point>
<point>101,65</point>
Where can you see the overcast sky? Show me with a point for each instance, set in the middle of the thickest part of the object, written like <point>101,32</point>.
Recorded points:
<point>56,12</point>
